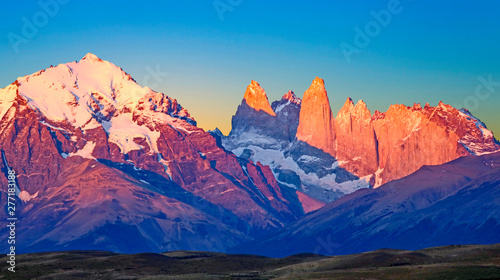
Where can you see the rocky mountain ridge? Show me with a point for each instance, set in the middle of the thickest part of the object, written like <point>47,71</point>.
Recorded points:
<point>329,157</point>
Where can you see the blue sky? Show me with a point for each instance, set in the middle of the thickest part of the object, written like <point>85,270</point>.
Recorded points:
<point>206,57</point>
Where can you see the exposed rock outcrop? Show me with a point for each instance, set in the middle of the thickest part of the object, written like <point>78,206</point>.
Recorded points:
<point>356,142</point>
<point>316,126</point>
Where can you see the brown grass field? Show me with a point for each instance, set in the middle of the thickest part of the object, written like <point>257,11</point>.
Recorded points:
<point>449,262</point>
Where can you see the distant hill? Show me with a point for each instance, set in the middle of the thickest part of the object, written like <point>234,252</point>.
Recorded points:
<point>450,262</point>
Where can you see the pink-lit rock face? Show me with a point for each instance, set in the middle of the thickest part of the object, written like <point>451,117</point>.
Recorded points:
<point>410,137</point>
<point>256,98</point>
<point>316,126</point>
<point>393,144</point>
<point>309,203</point>
<point>403,139</point>
<point>356,142</point>
<point>290,96</point>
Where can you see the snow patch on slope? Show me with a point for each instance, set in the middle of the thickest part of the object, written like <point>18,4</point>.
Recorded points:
<point>7,96</point>
<point>86,151</point>
<point>276,160</point>
<point>251,138</point>
<point>122,130</point>
<point>26,197</point>
<point>165,165</point>
<point>280,107</point>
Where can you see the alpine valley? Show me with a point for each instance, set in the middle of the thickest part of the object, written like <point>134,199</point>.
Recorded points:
<point>103,163</point>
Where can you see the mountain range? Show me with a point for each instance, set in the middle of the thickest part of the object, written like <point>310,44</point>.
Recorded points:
<point>328,157</point>
<point>104,163</point>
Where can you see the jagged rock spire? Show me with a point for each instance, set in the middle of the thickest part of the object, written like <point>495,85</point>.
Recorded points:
<point>316,125</point>
<point>256,98</point>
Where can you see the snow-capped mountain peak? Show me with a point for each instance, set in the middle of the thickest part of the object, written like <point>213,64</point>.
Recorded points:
<point>91,57</point>
<point>93,93</point>
<point>78,91</point>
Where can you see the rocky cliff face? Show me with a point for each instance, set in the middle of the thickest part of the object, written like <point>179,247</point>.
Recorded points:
<point>287,111</point>
<point>356,141</point>
<point>316,126</point>
<point>255,97</point>
<point>410,137</point>
<point>256,121</point>
<point>92,109</point>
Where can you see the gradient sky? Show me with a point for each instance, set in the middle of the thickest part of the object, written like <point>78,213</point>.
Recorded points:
<point>429,51</point>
